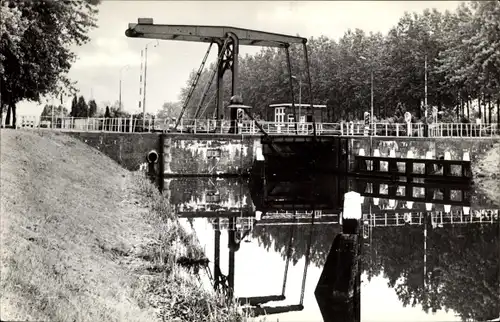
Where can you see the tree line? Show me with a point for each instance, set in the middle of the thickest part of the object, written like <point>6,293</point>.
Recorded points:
<point>461,50</point>
<point>36,50</point>
<point>80,108</point>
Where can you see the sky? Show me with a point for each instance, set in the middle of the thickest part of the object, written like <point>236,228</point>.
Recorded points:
<point>103,59</point>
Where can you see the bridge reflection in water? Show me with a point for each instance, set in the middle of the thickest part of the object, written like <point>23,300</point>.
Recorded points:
<point>296,212</point>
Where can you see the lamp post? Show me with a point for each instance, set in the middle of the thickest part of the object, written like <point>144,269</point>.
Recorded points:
<point>425,87</point>
<point>52,116</point>
<point>120,89</point>
<point>300,93</point>
<point>426,50</point>
<point>371,94</point>
<point>145,77</point>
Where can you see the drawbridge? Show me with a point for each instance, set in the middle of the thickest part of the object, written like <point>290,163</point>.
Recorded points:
<point>228,41</point>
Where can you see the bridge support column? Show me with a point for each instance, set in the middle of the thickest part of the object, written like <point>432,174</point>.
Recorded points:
<point>229,61</point>
<point>167,157</point>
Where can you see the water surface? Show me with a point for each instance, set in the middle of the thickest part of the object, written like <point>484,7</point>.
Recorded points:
<point>420,262</point>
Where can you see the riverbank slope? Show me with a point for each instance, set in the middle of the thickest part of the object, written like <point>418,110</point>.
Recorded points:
<point>487,174</point>
<point>82,239</point>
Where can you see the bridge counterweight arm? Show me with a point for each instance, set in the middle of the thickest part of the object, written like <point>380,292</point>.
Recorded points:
<point>197,33</point>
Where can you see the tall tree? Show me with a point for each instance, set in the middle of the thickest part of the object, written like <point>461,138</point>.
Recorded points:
<point>82,108</point>
<point>49,110</point>
<point>74,106</point>
<point>92,108</point>
<point>107,114</point>
<point>36,56</point>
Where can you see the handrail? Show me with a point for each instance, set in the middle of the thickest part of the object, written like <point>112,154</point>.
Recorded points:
<point>438,217</point>
<point>249,127</point>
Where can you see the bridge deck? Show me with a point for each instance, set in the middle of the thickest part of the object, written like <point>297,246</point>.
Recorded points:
<point>213,127</point>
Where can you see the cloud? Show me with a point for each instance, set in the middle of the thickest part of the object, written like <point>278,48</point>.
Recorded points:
<point>105,52</point>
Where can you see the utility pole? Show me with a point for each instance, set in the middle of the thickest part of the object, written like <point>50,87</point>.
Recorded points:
<point>52,116</point>
<point>371,99</point>
<point>300,95</point>
<point>371,93</point>
<point>145,80</point>
<point>120,87</point>
<point>62,108</point>
<point>144,96</point>
<point>425,87</point>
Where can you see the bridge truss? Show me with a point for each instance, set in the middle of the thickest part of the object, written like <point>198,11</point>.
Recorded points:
<point>228,40</point>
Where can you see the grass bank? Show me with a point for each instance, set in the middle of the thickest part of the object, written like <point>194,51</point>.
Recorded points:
<point>82,239</point>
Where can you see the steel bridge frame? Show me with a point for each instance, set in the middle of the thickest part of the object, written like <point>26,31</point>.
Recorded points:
<point>145,28</point>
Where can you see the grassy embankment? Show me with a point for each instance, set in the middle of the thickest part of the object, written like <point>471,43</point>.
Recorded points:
<point>82,239</point>
<point>487,174</point>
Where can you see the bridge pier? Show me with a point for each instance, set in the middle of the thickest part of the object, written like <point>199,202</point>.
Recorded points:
<point>305,153</point>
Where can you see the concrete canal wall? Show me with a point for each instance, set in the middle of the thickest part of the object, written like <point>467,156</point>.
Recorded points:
<point>212,153</point>
<point>128,149</point>
<point>184,154</point>
<point>476,147</point>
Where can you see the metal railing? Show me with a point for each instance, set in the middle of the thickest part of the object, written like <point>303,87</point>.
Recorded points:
<point>464,130</point>
<point>248,127</point>
<point>94,124</point>
<point>437,217</point>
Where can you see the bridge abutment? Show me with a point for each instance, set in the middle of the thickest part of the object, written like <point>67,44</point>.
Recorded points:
<point>234,154</point>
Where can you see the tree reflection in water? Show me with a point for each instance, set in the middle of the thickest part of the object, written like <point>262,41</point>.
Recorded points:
<point>462,260</point>
<point>462,263</point>
<point>323,238</point>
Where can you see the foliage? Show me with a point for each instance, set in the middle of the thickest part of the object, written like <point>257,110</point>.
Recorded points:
<point>36,47</point>
<point>169,110</point>
<point>280,236</point>
<point>48,110</point>
<point>461,49</point>
<point>118,112</point>
<point>79,107</point>
<point>92,108</point>
<point>178,293</point>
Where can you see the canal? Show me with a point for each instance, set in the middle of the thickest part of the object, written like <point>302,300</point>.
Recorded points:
<point>268,241</point>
